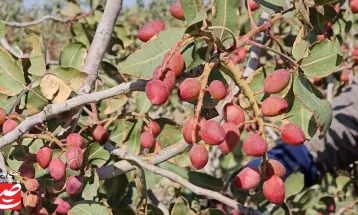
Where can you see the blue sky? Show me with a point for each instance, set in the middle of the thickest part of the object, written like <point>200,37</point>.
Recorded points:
<point>126,3</point>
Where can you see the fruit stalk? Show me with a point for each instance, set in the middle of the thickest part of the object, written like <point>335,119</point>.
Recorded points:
<point>250,42</point>
<point>204,80</point>
<point>186,39</point>
<point>43,137</point>
<point>237,75</point>
<point>242,41</point>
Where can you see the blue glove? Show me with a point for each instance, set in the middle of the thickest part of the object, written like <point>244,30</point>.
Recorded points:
<point>292,157</point>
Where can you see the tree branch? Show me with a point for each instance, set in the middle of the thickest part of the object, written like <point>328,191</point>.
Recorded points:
<point>100,42</point>
<point>4,43</point>
<point>46,18</point>
<point>54,109</point>
<point>176,178</point>
<point>124,166</point>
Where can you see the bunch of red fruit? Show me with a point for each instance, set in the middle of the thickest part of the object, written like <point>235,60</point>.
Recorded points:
<point>57,169</point>
<point>226,136</point>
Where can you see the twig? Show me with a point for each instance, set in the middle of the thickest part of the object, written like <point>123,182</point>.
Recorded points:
<point>273,50</point>
<point>277,42</point>
<point>242,41</point>
<point>204,80</point>
<point>272,126</point>
<point>47,17</point>
<point>123,166</point>
<point>54,109</point>
<point>176,178</point>
<point>43,137</point>
<point>246,122</point>
<point>252,22</point>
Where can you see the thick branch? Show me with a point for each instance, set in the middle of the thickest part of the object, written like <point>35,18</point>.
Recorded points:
<point>55,109</point>
<point>176,178</point>
<point>100,42</point>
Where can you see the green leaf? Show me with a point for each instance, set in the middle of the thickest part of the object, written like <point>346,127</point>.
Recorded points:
<point>34,101</point>
<point>182,172</point>
<point>151,210</point>
<point>80,34</point>
<point>182,159</point>
<point>300,46</point>
<point>38,53</point>
<point>226,15</point>
<point>73,55</point>
<point>90,185</point>
<point>72,77</point>
<point>320,17</point>
<point>294,184</point>
<point>89,207</point>
<point>71,9</point>
<point>272,6</point>
<point>12,80</point>
<point>206,181</point>
<point>323,59</point>
<point>191,8</point>
<point>282,209</point>
<point>212,211</point>
<point>115,189</point>
<point>145,60</point>
<point>309,96</point>
<point>124,34</point>
<point>231,162</point>
<point>170,132</point>
<point>300,115</point>
<point>342,181</point>
<point>256,82</point>
<point>199,17</point>
<point>8,103</point>
<point>181,207</point>
<point>109,75</point>
<point>3,29</point>
<point>133,144</point>
<point>303,13</point>
<point>152,180</point>
<point>97,155</point>
<point>143,103</point>
<point>112,105</point>
<point>120,133</point>
<point>342,25</point>
<point>188,53</point>
<point>58,84</point>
